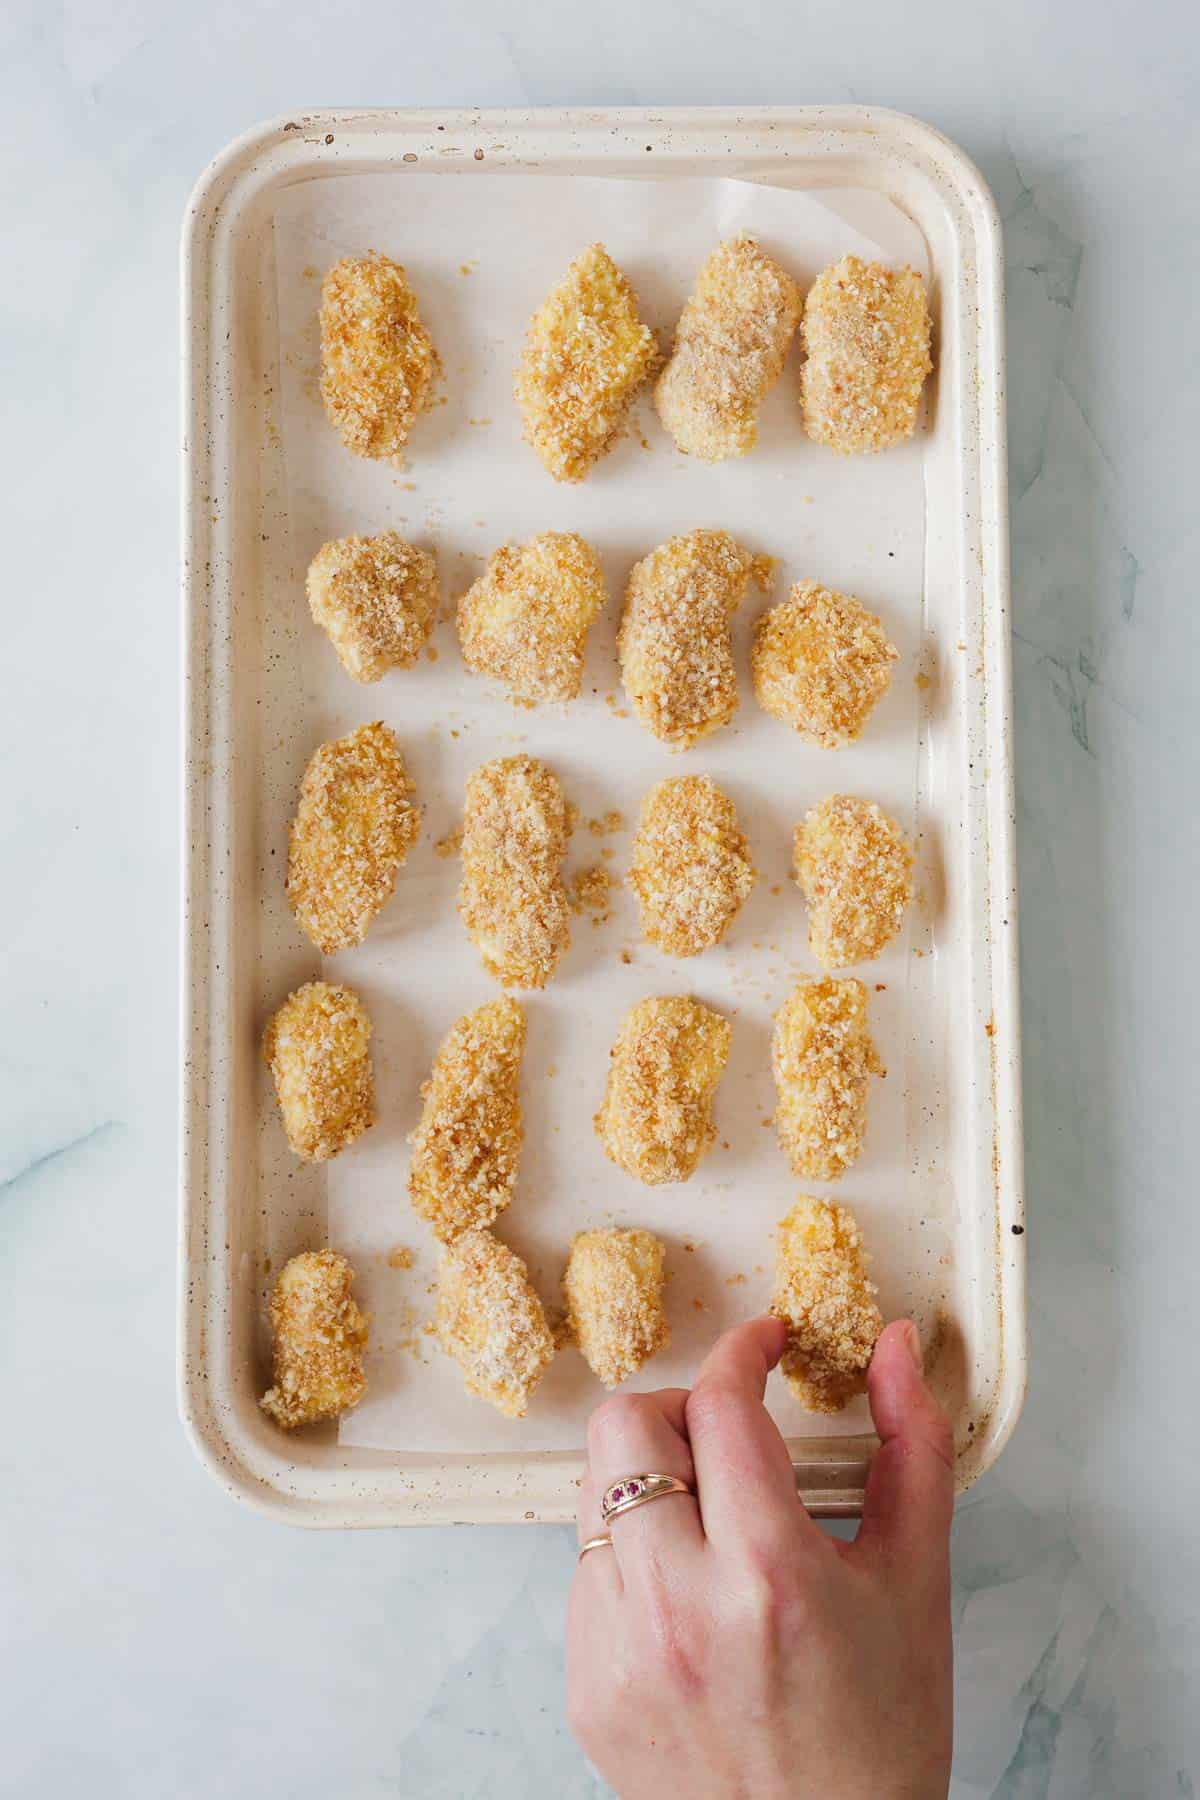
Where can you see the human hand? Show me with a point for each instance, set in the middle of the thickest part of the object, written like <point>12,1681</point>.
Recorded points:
<point>725,1646</point>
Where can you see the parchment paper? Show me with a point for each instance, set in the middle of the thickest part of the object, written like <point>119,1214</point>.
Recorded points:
<point>482,253</point>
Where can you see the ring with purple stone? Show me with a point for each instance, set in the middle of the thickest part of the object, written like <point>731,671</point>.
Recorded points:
<point>638,1490</point>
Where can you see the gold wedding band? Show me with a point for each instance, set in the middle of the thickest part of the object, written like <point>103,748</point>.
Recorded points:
<point>638,1490</point>
<point>596,1543</point>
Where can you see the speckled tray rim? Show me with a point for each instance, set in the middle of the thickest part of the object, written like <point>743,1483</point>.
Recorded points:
<point>319,1484</point>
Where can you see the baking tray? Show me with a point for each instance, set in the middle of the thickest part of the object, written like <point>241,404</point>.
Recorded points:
<point>252,715</point>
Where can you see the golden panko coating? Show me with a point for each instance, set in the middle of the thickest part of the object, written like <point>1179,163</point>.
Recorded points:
<point>614,1292</point>
<point>375,598</point>
<point>824,1298</point>
<point>656,1120</point>
<point>823,1057</point>
<point>526,619</point>
<point>866,339</point>
<point>730,346</point>
<point>820,661</point>
<point>378,363</point>
<point>854,867</point>
<point>675,642</point>
<point>490,1320</point>
<point>585,356</point>
<point>353,829</point>
<point>466,1148</point>
<point>691,867</point>
<point>316,1047</point>
<point>319,1338</point>
<point>512,898</point>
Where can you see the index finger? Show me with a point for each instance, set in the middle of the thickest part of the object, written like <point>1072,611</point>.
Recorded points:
<point>743,1470</point>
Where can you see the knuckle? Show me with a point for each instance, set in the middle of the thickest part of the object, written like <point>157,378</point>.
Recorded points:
<point>941,1438</point>
<point>711,1406</point>
<point>772,1596</point>
<point>616,1417</point>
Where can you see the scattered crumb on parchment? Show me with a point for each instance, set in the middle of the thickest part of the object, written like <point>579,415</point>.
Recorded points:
<point>450,845</point>
<point>591,892</point>
<point>401,1257</point>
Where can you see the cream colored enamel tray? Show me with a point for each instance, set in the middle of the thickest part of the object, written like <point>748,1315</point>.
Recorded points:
<point>939,1190</point>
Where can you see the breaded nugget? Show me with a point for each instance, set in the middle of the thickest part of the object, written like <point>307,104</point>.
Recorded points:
<point>319,1338</point>
<point>466,1148</point>
<point>490,1320</point>
<point>730,346</point>
<point>675,641</point>
<point>824,1298</point>
<point>378,363</point>
<point>316,1048</point>
<point>353,829</point>
<point>512,899</point>
<point>866,340</point>
<point>656,1120</point>
<point>526,619</point>
<point>820,661</point>
<point>614,1292</point>
<point>822,1057</point>
<point>375,598</point>
<point>585,356</point>
<point>691,865</point>
<point>854,867</point>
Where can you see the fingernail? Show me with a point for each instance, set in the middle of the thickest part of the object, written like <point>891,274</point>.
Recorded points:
<point>912,1338</point>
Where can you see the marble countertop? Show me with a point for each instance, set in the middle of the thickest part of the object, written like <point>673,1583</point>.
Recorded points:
<point>157,1638</point>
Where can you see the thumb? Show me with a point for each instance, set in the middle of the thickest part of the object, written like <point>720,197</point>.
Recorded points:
<point>909,1500</point>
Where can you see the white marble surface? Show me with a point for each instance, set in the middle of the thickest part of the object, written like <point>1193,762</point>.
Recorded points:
<point>159,1641</point>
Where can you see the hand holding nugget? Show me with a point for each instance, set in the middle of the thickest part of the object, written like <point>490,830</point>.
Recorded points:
<point>720,1643</point>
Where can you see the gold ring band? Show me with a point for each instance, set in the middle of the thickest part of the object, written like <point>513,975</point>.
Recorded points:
<point>638,1490</point>
<point>596,1543</point>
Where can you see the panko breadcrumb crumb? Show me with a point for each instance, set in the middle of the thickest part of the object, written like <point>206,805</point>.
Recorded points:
<point>378,363</point>
<point>820,661</point>
<point>822,1056</point>
<point>675,641</point>
<point>854,867</point>
<point>353,829</point>
<point>375,598</point>
<point>613,1288</point>
<point>591,891</point>
<point>866,340</point>
<point>585,356</point>
<point>490,1320</point>
<point>526,620</point>
<point>319,1339</point>
<point>512,899</point>
<point>468,1143</point>
<point>823,1296</point>
<point>691,867</point>
<point>316,1047</point>
<point>656,1121</point>
<point>730,346</point>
